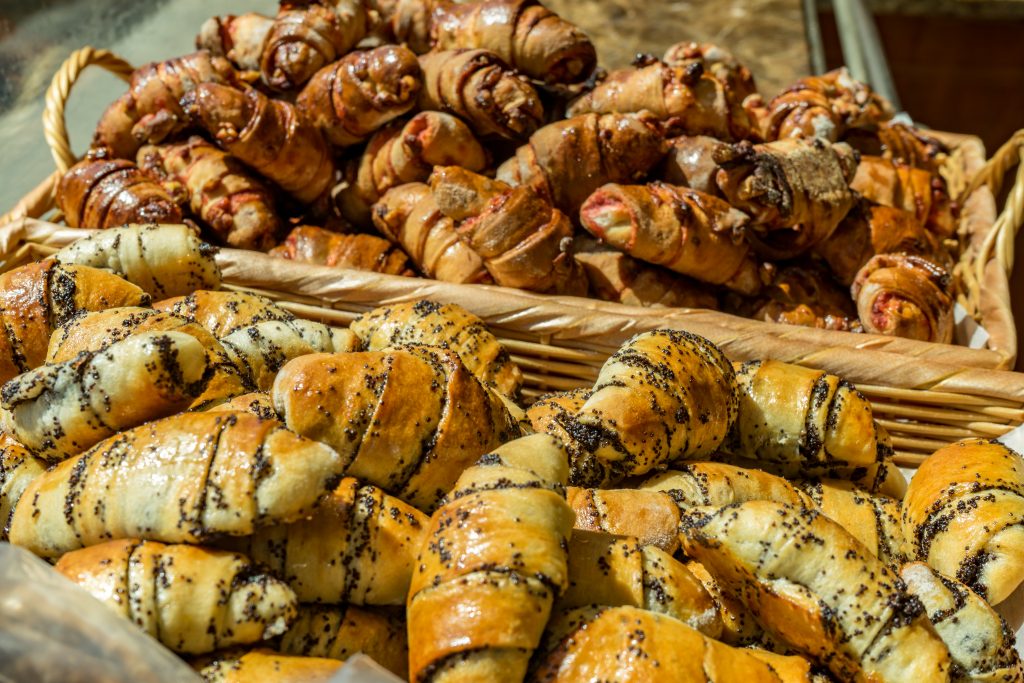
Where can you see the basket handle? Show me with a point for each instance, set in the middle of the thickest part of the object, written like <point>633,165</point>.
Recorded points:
<point>998,244</point>
<point>54,129</point>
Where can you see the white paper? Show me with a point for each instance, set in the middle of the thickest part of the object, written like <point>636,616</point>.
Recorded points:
<point>967,332</point>
<point>362,669</point>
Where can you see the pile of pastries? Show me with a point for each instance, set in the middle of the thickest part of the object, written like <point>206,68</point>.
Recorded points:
<point>267,496</point>
<point>479,142</point>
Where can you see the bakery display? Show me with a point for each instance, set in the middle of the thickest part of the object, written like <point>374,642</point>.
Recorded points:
<point>384,489</point>
<point>812,207</point>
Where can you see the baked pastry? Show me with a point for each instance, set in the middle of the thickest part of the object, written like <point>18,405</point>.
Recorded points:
<point>905,296</point>
<point>819,591</point>
<point>38,297</point>
<point>338,632</point>
<point>358,403</point>
<point>182,479</point>
<point>222,313</point>
<point>310,244</point>
<point>359,547</point>
<point>257,666</point>
<point>446,325</point>
<point>57,411</point>
<point>106,193</point>
<point>163,260</point>
<point>963,515</point>
<point>981,645</point>
<point>652,517</point>
<point>506,521</point>
<point>18,467</point>
<point>192,599</point>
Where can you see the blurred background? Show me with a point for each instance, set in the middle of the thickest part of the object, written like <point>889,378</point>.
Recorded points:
<point>954,65</point>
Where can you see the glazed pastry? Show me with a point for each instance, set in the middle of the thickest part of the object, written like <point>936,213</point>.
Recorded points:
<point>257,666</point>
<point>181,479</point>
<point>57,411</point>
<point>690,163</point>
<point>962,515</point>
<point>446,325</point>
<point>905,296</point>
<point>524,241</point>
<point>237,207</point>
<point>531,38</point>
<point>717,61</point>
<point>39,297</point>
<point>920,192</point>
<point>627,643</point>
<point>239,38</point>
<point>408,215</point>
<point>405,152</point>
<point>818,590</point>
<point>683,230</point>
<point>109,193</point>
<point>310,244</point>
<point>613,571</point>
<point>164,260</point>
<point>261,350</point>
<point>789,183</point>
<point>480,88</point>
<point>191,599</point>
<point>351,98</point>
<point>872,519</point>
<point>902,143</point>
<point>869,230</point>
<point>614,276</point>
<point>306,36</point>
<point>221,313</point>
<point>266,134</point>
<point>980,643</point>
<point>691,100</point>
<point>359,546</point>
<point>802,294</point>
<point>641,416</point>
<point>795,421</point>
<point>150,111</point>
<point>358,403</point>
<point>567,160</point>
<point>338,632</point>
<point>18,467</point>
<point>507,522</point>
<point>714,484</point>
<point>824,106</point>
<point>652,517</point>
<point>94,332</point>
<point>257,402</point>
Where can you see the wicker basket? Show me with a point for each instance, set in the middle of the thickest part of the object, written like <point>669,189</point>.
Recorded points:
<point>925,394</point>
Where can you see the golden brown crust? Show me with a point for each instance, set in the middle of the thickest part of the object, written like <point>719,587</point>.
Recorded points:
<point>259,666</point>
<point>338,632</point>
<point>18,467</point>
<point>113,192</point>
<point>920,192</point>
<point>268,135</point>
<point>681,229</point>
<point>446,325</point>
<point>818,590</point>
<point>405,152</point>
<point>351,98</point>
<point>359,546</point>
<point>523,241</point>
<point>717,61</point>
<point>150,111</point>
<point>307,36</point>
<point>238,38</point>
<point>613,571</point>
<point>222,313</point>
<point>872,519</point>
<point>479,87</point>
<point>567,160</point>
<point>220,190</point>
<point>905,296</point>
<point>801,294</point>
<point>789,183</point>
<point>191,599</point>
<point>642,416</point>
<point>492,562</point>
<point>531,38</point>
<point>626,643</point>
<point>39,297</point>
<point>180,479</point>
<point>963,515</point>
<point>310,244</point>
<point>692,102</point>
<point>359,404</point>
<point>652,517</point>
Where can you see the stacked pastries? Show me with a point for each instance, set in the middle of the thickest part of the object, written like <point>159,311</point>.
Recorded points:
<point>478,142</point>
<point>682,519</point>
